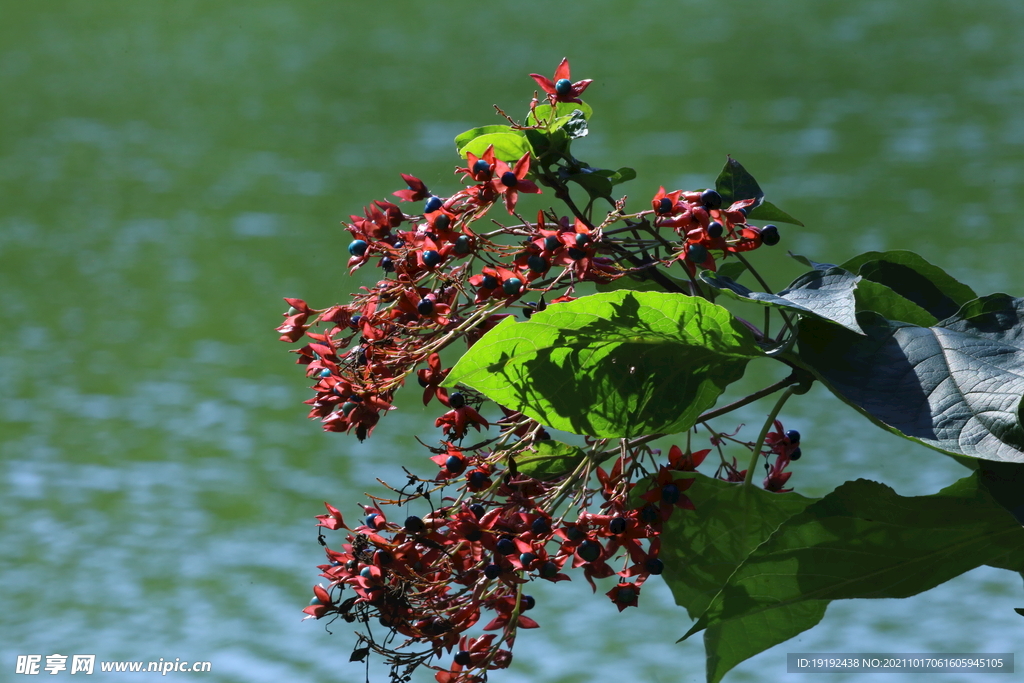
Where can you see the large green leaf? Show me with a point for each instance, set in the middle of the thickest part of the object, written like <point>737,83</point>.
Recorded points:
<point>701,548</point>
<point>955,386</point>
<point>873,296</point>
<point>826,294</point>
<point>913,278</point>
<point>766,211</point>
<point>563,111</point>
<point>860,541</point>
<point>613,364</point>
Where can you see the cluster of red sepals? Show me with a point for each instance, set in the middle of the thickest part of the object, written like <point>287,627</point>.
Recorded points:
<point>430,578</point>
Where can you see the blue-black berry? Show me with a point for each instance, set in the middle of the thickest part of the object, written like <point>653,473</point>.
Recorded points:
<point>455,464</point>
<point>478,510</point>
<point>509,179</point>
<point>541,526</point>
<point>462,657</point>
<point>793,436</point>
<point>537,264</point>
<point>527,602</point>
<point>512,286</point>
<point>589,550</point>
<point>576,254</point>
<point>425,307</point>
<point>563,86</point>
<point>697,253</point>
<point>414,524</point>
<point>456,399</point>
<point>442,222</point>
<point>481,166</point>
<point>432,204</point>
<point>431,258</point>
<point>654,566</point>
<point>489,282</point>
<point>770,235</point>
<point>505,546</point>
<point>548,570</point>
<point>582,239</point>
<point>670,494</point>
<point>551,243</point>
<point>796,454</point>
<point>492,571</point>
<point>711,200</point>
<point>665,206</point>
<point>462,245</point>
<point>478,479</point>
<point>617,525</point>
<point>526,558</point>
<point>387,264</point>
<point>715,229</point>
<point>357,247</point>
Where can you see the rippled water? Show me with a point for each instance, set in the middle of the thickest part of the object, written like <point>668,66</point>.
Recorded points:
<point>168,173</point>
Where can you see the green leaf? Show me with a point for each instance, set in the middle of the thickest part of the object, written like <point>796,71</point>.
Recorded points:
<point>509,145</point>
<point>701,548</point>
<point>595,184</point>
<point>766,211</point>
<point>614,364</point>
<point>551,460</point>
<point>624,174</point>
<point>913,278</point>
<point>955,386</point>
<point>860,541</point>
<point>872,296</point>
<point>574,125</point>
<point>563,110</point>
<point>734,184</point>
<point>826,294</point>
<point>731,270</point>
<point>545,145</point>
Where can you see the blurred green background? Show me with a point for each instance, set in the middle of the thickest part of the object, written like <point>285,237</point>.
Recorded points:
<point>169,171</point>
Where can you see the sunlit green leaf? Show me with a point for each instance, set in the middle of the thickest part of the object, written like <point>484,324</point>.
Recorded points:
<point>509,145</point>
<point>766,211</point>
<point>910,276</point>
<point>550,460</point>
<point>734,184</point>
<point>612,364</point>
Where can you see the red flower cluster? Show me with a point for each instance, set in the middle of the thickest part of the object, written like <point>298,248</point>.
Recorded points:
<point>432,578</point>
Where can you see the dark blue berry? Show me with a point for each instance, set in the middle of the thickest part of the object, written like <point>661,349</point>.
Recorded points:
<point>649,514</point>
<point>551,243</point>
<point>526,558</point>
<point>527,312</point>
<point>399,244</point>
<point>371,520</point>
<point>481,166</point>
<point>489,282</point>
<point>431,258</point>
<point>541,526</point>
<point>505,546</point>
<point>509,179</point>
<point>425,307</point>
<point>325,373</point>
<point>543,435</point>
<point>626,595</point>
<point>654,566</point>
<point>617,525</point>
<point>589,550</point>
<point>478,479</point>
<point>796,454</point>
<point>512,286</point>
<point>347,407</point>
<point>563,86</point>
<point>455,464</point>
<point>387,264</point>
<point>357,247</point>
<point>527,602</point>
<point>356,319</point>
<point>548,570</point>
<point>574,534</point>
<point>477,509</point>
<point>492,571</point>
<point>537,264</point>
<point>462,657</point>
<point>472,534</point>
<point>456,399</point>
<point>670,494</point>
<point>442,222</point>
<point>665,206</point>
<point>576,254</point>
<point>366,573</point>
<point>315,601</point>
<point>432,204</point>
<point>793,436</point>
<point>414,524</point>
<point>382,558</point>
<point>715,229</point>
<point>711,200</point>
<point>697,253</point>
<point>462,245</point>
<point>770,235</point>
<point>352,565</point>
<point>582,239</point>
